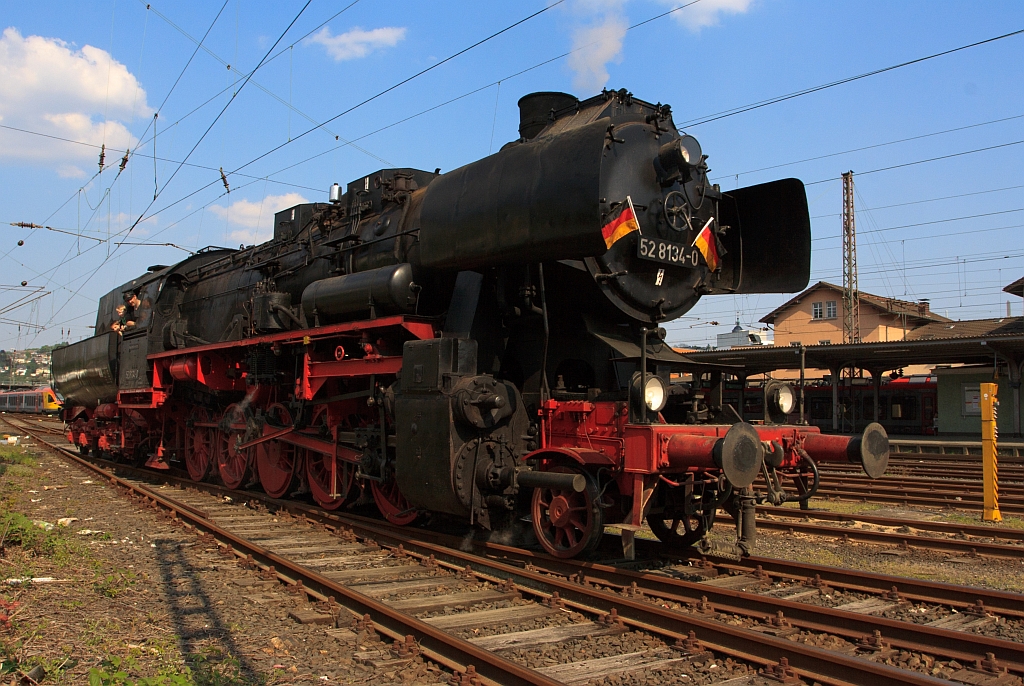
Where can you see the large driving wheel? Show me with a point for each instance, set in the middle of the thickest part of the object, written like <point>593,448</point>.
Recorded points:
<point>232,463</point>
<point>199,446</point>
<point>391,503</point>
<point>275,460</point>
<point>678,531</point>
<point>567,523</point>
<point>689,510</point>
<point>330,491</point>
<point>327,494</point>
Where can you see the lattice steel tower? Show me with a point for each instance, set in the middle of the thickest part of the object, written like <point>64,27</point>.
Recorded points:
<point>851,293</point>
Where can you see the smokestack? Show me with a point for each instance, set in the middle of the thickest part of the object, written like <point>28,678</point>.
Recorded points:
<point>537,110</point>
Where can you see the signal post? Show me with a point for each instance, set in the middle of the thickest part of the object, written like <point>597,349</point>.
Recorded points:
<point>990,464</point>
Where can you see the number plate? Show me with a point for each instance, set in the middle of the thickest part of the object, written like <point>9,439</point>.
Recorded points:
<point>668,252</point>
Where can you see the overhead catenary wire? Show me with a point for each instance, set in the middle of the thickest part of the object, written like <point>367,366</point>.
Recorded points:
<point>935,235</point>
<point>927,200</point>
<point>156,113</point>
<point>871,147</point>
<point>404,81</point>
<point>124,160</point>
<point>226,105</point>
<point>233,68</point>
<point>839,82</point>
<point>383,92</point>
<point>141,216</point>
<point>916,162</point>
<point>927,223</point>
<point>265,177</point>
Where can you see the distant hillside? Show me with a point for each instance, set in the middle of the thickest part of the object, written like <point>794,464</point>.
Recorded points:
<point>29,367</point>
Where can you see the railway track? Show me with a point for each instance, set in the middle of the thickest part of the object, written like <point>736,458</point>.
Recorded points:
<point>910,496</point>
<point>946,486</point>
<point>926,468</point>
<point>333,555</point>
<point>904,534</point>
<point>968,540</point>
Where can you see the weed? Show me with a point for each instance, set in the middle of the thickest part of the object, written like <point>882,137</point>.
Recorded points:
<point>114,584</point>
<point>16,455</point>
<point>115,671</point>
<point>56,544</point>
<point>975,519</point>
<point>213,667</point>
<point>21,531</point>
<point>840,506</point>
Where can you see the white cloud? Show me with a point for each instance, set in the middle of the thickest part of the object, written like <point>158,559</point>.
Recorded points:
<point>706,12</point>
<point>70,171</point>
<point>600,27</point>
<point>255,218</point>
<point>357,42</point>
<point>596,41</point>
<point>48,86</point>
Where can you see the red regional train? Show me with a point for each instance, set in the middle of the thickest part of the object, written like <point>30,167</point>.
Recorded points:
<point>33,401</point>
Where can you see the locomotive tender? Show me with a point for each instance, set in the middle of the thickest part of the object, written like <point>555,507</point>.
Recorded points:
<point>470,344</point>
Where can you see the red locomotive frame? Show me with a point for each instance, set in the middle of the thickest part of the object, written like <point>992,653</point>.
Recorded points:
<point>646,471</point>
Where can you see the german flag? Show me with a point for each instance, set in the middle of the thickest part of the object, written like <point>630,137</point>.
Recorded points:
<point>705,242</point>
<point>623,224</point>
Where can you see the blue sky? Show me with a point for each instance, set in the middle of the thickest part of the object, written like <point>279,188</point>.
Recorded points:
<point>96,73</point>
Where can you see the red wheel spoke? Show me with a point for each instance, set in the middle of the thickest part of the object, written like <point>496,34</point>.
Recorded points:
<point>567,523</point>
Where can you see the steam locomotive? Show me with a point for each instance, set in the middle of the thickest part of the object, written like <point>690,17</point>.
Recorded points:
<point>483,344</point>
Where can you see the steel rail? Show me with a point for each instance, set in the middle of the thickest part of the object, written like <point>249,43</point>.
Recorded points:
<point>437,645</point>
<point>812,662</point>
<point>923,467</point>
<point>850,625</point>
<point>918,486</point>
<point>647,615</point>
<point>993,531</point>
<point>1006,603</point>
<point>906,541</point>
<point>944,476</point>
<point>965,502</point>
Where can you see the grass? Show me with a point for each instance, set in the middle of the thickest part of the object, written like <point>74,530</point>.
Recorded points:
<point>962,518</point>
<point>115,583</point>
<point>57,544</point>
<point>954,516</point>
<point>93,601</point>
<point>840,506</point>
<point>212,667</point>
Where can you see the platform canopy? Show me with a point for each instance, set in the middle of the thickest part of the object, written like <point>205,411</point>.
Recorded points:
<point>984,341</point>
<point>1005,339</point>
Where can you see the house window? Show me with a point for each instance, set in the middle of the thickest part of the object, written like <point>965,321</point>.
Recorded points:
<point>831,311</point>
<point>816,311</point>
<point>825,342</point>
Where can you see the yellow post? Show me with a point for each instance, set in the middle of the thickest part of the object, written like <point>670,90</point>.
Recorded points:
<point>990,465</point>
